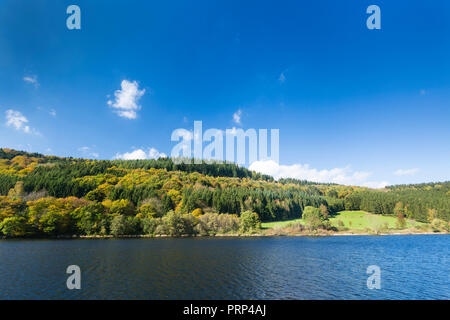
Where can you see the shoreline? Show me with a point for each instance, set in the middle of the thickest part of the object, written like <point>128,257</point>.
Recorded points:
<point>333,234</point>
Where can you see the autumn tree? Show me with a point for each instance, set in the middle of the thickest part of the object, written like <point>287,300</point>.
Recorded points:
<point>18,191</point>
<point>250,221</point>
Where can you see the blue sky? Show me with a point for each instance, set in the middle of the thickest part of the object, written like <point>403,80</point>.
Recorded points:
<point>354,106</point>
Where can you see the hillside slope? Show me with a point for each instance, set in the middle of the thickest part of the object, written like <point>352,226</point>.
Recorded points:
<point>31,183</point>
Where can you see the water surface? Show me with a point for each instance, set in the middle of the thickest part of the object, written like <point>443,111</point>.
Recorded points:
<point>412,267</point>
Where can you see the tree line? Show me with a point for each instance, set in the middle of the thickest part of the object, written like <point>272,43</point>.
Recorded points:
<point>37,188</point>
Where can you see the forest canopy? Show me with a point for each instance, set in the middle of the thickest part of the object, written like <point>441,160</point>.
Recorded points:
<point>48,195</point>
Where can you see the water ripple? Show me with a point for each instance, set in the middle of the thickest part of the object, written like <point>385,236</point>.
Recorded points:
<point>413,267</point>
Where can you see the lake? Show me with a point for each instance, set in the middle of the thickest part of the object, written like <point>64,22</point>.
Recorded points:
<point>412,267</point>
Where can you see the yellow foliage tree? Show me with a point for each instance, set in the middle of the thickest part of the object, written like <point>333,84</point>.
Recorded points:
<point>197,212</point>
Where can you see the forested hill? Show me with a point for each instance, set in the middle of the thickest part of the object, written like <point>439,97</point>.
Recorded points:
<point>210,169</point>
<point>32,184</point>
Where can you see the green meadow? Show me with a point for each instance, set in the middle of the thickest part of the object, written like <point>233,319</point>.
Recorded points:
<point>279,224</point>
<point>359,220</point>
<point>353,220</point>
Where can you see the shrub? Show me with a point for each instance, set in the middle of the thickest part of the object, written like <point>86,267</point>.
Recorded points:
<point>295,227</point>
<point>312,217</point>
<point>316,219</point>
<point>229,223</point>
<point>401,221</point>
<point>250,221</point>
<point>439,225</point>
<point>213,223</point>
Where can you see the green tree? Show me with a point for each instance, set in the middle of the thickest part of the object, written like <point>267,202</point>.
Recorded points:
<point>177,224</point>
<point>96,195</point>
<point>250,221</point>
<point>91,219</point>
<point>401,221</point>
<point>313,217</point>
<point>324,212</point>
<point>149,225</point>
<point>18,191</point>
<point>122,207</point>
<point>14,227</point>
<point>122,225</point>
<point>197,212</point>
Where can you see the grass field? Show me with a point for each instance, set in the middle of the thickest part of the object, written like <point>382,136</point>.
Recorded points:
<point>354,220</point>
<point>358,220</point>
<point>279,224</point>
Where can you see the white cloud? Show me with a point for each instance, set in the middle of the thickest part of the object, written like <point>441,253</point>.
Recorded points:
<point>31,79</point>
<point>155,154</point>
<point>135,155</point>
<point>375,184</point>
<point>237,116</point>
<point>140,154</point>
<point>87,151</point>
<point>303,172</point>
<point>52,112</point>
<point>18,121</point>
<point>126,99</point>
<point>282,78</point>
<point>406,172</point>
